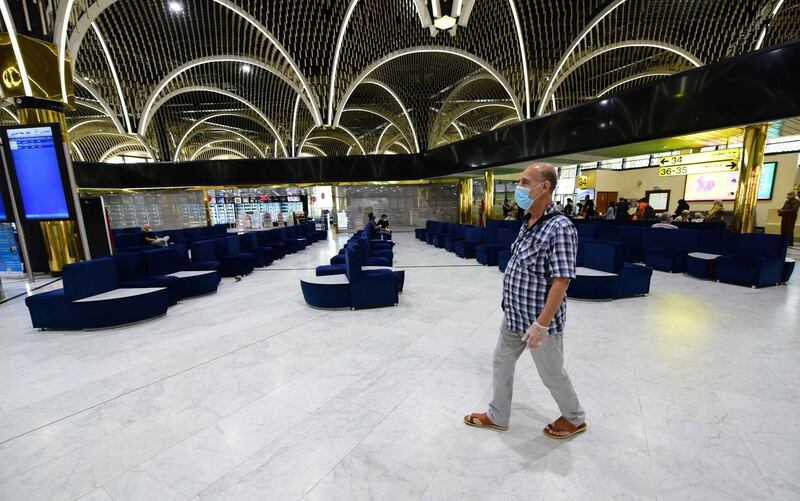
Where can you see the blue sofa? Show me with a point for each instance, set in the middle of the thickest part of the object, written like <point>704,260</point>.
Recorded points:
<point>758,261</point>
<point>132,274</point>
<point>190,282</point>
<point>603,274</point>
<point>666,250</point>
<point>92,299</point>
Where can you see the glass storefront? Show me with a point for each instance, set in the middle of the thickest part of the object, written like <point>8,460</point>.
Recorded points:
<point>406,205</point>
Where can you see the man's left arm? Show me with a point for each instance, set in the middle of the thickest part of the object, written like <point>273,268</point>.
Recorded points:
<point>563,254</point>
<point>558,289</point>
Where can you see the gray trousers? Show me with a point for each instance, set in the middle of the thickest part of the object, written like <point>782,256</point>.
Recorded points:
<point>549,360</point>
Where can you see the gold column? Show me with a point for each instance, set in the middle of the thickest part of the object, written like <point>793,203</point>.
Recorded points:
<point>744,209</point>
<point>488,195</point>
<point>61,240</point>
<point>465,200</point>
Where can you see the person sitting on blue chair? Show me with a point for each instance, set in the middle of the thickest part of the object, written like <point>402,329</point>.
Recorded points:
<point>150,238</point>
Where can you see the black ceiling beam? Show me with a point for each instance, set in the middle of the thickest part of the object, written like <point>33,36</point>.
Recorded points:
<point>751,88</point>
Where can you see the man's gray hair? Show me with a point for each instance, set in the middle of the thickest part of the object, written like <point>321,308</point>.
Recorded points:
<point>552,177</point>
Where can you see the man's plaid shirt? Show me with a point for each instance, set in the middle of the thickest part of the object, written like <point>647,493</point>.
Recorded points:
<point>544,251</point>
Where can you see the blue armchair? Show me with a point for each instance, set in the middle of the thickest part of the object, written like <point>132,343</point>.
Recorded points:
<point>458,234</point>
<point>666,250</point>
<point>369,289</point>
<point>466,248</point>
<point>488,253</point>
<point>274,240</point>
<point>263,254</point>
<point>419,233</point>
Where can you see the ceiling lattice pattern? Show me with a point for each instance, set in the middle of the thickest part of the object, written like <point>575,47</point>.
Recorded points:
<point>203,79</point>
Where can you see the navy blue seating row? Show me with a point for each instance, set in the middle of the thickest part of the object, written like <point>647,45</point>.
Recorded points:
<point>755,260</point>
<point>112,291</point>
<point>490,246</point>
<point>603,272</point>
<point>126,238</point>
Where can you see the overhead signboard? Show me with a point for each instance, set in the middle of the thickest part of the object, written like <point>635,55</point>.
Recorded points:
<point>704,168</point>
<point>583,182</point>
<point>716,156</point>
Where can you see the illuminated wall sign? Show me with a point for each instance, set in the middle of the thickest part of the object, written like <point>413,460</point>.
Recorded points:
<point>722,185</point>
<point>583,182</point>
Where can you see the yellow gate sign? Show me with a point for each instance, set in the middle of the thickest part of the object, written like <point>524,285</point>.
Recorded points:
<point>583,182</point>
<point>716,156</point>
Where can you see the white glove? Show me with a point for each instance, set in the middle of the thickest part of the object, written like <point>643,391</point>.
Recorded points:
<point>536,336</point>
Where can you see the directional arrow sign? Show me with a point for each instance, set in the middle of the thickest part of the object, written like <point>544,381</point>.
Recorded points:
<point>729,155</point>
<point>682,170</point>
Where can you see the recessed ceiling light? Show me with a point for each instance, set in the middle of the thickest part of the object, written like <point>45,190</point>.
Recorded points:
<point>175,7</point>
<point>246,68</point>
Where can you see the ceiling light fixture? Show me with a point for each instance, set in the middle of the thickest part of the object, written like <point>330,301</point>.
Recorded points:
<point>175,7</point>
<point>444,15</point>
<point>246,68</point>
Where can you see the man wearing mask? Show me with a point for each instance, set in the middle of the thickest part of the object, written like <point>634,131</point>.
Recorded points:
<point>534,302</point>
<point>788,214</point>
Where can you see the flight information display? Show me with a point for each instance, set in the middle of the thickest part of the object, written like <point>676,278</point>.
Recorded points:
<point>36,164</point>
<point>3,215</point>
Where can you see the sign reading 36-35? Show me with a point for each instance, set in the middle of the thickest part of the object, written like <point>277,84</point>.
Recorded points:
<point>699,163</point>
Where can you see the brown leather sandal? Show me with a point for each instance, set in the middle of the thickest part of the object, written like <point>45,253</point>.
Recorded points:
<point>561,429</point>
<point>481,420</point>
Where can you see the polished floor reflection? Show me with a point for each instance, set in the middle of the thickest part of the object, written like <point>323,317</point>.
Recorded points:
<point>690,393</point>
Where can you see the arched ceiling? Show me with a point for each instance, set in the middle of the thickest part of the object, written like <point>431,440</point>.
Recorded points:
<point>338,77</point>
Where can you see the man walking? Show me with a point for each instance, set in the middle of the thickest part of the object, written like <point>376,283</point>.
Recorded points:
<point>534,290</point>
<point>788,214</point>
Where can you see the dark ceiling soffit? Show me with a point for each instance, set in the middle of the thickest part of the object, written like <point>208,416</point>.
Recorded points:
<point>752,88</point>
<point>756,87</point>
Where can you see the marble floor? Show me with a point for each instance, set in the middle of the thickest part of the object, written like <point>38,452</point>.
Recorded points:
<point>690,393</point>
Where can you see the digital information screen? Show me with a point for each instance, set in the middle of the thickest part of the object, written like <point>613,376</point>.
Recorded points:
<point>722,185</point>
<point>35,160</point>
<point>3,215</point>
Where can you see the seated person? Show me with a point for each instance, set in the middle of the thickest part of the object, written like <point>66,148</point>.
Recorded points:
<point>510,216</point>
<point>150,238</point>
<point>371,228</point>
<point>717,212</point>
<point>685,217</point>
<point>666,222</point>
<point>698,218</point>
<point>383,225</point>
